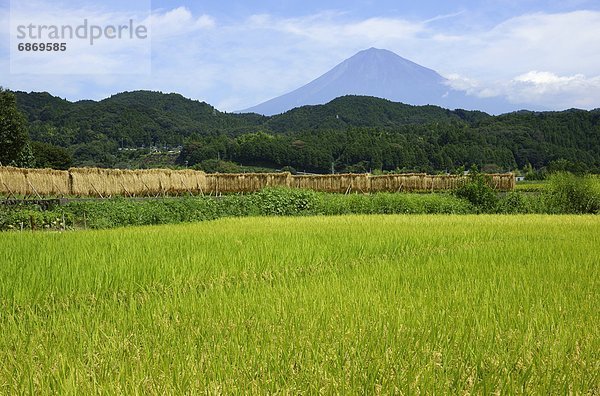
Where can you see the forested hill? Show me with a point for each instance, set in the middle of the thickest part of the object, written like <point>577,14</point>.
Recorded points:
<point>349,133</point>
<point>153,118</point>
<point>132,119</point>
<point>366,111</point>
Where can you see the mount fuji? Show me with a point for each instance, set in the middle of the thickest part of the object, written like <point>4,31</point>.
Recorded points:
<point>383,74</point>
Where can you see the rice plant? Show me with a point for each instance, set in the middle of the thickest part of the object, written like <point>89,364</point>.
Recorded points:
<point>347,304</point>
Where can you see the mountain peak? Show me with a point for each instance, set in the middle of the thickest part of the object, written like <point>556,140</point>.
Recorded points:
<point>383,55</point>
<point>374,50</point>
<point>379,73</point>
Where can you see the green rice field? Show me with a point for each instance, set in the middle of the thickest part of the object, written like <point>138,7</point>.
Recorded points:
<point>532,186</point>
<point>405,304</point>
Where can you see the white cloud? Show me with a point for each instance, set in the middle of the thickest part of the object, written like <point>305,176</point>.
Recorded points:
<point>541,88</point>
<point>205,22</point>
<point>178,21</point>
<point>328,28</point>
<point>548,88</point>
<point>462,83</point>
<point>548,80</point>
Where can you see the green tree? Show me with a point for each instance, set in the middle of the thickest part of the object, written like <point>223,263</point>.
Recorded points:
<point>13,131</point>
<point>50,156</point>
<point>26,158</point>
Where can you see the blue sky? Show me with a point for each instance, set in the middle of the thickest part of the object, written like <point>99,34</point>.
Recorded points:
<point>237,54</point>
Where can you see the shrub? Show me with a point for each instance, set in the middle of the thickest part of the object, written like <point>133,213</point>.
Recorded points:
<point>284,201</point>
<point>514,202</point>
<point>568,193</point>
<point>478,192</point>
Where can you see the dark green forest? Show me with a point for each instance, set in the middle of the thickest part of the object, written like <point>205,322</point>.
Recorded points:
<point>349,134</point>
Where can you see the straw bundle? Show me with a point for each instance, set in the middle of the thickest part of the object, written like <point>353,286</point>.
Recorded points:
<point>412,182</point>
<point>42,182</point>
<point>223,183</point>
<point>13,181</point>
<point>92,182</point>
<point>399,182</point>
<point>47,182</point>
<point>219,183</point>
<point>341,183</point>
<point>503,182</point>
<point>182,182</point>
<point>324,183</point>
<point>381,183</point>
<point>244,182</point>
<point>279,179</point>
